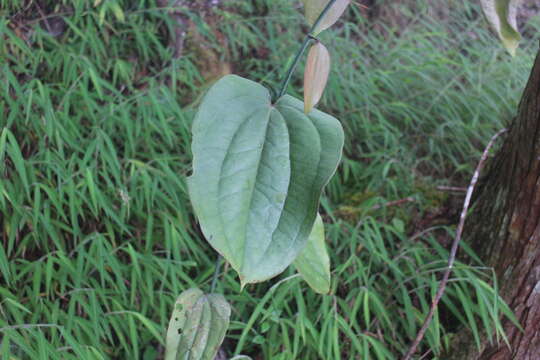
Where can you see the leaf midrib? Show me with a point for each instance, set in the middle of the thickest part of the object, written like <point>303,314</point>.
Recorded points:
<point>227,154</point>
<point>255,185</point>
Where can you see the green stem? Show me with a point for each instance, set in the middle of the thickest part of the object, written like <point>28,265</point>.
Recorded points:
<point>216,273</point>
<point>293,66</point>
<point>310,36</point>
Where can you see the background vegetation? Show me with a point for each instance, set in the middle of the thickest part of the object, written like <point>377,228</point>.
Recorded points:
<point>97,233</point>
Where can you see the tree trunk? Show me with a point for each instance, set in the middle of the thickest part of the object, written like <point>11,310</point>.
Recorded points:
<point>504,229</point>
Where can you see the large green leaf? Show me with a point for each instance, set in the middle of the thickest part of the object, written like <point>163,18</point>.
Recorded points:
<point>313,262</point>
<point>197,327</point>
<point>502,16</point>
<point>258,173</point>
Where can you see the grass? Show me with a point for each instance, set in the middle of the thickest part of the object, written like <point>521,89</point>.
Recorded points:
<point>98,237</point>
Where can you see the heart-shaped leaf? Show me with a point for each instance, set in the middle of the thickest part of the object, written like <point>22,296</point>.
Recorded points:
<point>197,327</point>
<point>315,75</point>
<point>314,8</point>
<point>258,173</point>
<point>313,262</point>
<point>501,14</point>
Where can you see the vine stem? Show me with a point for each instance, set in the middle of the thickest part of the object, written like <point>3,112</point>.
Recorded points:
<point>453,251</point>
<point>216,273</point>
<point>309,37</point>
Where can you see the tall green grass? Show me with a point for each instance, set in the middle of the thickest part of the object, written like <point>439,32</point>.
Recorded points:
<point>97,233</point>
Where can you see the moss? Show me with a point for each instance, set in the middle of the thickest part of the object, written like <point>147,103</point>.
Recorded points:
<point>430,196</point>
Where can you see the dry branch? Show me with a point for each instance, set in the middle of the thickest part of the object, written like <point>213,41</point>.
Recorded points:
<point>453,251</point>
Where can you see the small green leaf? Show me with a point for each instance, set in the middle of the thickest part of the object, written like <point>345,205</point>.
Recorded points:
<point>314,8</point>
<point>197,327</point>
<point>315,75</point>
<point>313,262</point>
<point>501,14</point>
<point>258,173</point>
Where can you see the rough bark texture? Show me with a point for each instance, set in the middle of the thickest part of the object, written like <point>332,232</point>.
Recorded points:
<point>504,229</point>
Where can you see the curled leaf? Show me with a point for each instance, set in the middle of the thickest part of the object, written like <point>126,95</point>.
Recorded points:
<point>313,263</point>
<point>258,173</point>
<point>315,75</point>
<point>197,327</point>
<point>501,14</point>
<point>314,8</point>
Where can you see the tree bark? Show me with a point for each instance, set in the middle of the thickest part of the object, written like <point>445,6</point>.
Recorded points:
<point>504,229</point>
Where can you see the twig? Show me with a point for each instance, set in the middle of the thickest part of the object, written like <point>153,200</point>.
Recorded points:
<point>309,37</point>
<point>177,38</point>
<point>451,188</point>
<point>393,203</point>
<point>453,251</point>
<point>425,355</point>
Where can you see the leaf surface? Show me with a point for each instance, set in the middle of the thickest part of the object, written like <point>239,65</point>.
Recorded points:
<point>197,327</point>
<point>258,173</point>
<point>314,8</point>
<point>501,14</point>
<point>313,263</point>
